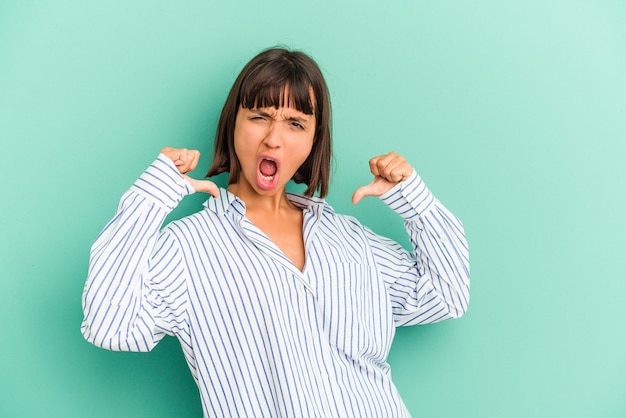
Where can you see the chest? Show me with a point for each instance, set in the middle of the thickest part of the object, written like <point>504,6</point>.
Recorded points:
<point>286,234</point>
<point>250,285</point>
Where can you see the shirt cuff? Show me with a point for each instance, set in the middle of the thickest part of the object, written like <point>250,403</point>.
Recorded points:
<point>163,184</point>
<point>410,198</point>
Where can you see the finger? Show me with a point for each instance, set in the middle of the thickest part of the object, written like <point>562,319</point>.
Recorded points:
<point>359,194</point>
<point>183,159</point>
<point>363,191</point>
<point>178,157</point>
<point>389,171</point>
<point>193,157</point>
<point>187,160</point>
<point>394,167</point>
<point>400,171</point>
<point>383,164</point>
<point>378,164</point>
<point>209,187</point>
<point>205,186</point>
<point>171,153</point>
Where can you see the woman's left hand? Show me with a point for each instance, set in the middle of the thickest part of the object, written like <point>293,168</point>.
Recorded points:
<point>388,170</point>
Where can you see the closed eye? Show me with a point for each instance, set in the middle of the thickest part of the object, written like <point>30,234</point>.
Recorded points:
<point>259,115</point>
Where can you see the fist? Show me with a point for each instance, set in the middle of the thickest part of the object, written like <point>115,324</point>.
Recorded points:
<point>388,170</point>
<point>185,161</point>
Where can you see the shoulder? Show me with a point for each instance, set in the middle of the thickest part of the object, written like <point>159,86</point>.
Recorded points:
<point>346,226</point>
<point>330,213</point>
<point>199,225</point>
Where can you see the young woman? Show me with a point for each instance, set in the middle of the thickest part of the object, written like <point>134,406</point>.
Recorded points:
<point>282,306</point>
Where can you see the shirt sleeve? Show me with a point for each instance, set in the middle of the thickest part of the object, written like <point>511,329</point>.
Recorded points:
<point>135,290</point>
<point>431,283</point>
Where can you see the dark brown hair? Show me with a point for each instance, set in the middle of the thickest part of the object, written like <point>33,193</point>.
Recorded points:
<point>262,83</point>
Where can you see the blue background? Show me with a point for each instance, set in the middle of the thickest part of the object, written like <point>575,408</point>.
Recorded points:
<point>513,112</point>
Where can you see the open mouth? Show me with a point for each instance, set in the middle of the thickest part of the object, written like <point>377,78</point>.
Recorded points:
<point>268,168</point>
<point>267,174</point>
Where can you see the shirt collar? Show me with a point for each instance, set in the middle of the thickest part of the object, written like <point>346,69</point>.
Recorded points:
<point>226,202</point>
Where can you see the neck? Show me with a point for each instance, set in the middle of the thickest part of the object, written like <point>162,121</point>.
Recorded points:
<point>270,205</point>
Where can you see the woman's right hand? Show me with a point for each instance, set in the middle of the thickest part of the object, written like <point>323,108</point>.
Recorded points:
<point>185,161</point>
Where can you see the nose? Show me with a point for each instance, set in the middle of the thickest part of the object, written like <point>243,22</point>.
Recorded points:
<point>273,137</point>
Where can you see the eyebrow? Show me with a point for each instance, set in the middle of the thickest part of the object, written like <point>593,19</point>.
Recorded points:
<point>268,115</point>
<point>297,119</point>
<point>261,113</point>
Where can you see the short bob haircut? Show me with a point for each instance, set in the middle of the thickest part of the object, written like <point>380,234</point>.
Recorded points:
<point>262,83</point>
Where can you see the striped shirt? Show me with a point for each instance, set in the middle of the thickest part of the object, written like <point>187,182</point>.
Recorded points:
<point>261,337</point>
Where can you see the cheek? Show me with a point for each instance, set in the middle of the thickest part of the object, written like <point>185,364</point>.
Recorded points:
<point>309,147</point>
<point>241,140</point>
<point>301,156</point>
<point>247,135</point>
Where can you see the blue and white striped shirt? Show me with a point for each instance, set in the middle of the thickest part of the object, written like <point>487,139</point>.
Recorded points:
<point>261,338</point>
